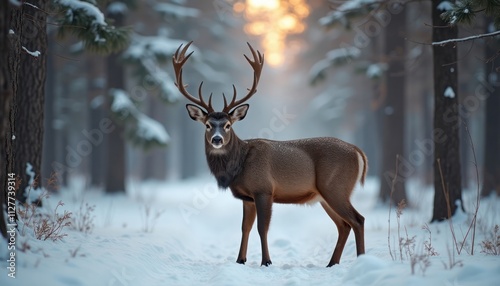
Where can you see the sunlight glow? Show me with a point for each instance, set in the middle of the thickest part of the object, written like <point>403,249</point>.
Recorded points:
<point>273,20</point>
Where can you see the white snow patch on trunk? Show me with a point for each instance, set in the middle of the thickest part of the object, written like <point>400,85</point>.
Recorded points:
<point>449,92</point>
<point>32,193</point>
<point>34,54</point>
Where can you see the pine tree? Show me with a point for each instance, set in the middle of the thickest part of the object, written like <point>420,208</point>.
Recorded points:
<point>86,21</point>
<point>466,11</point>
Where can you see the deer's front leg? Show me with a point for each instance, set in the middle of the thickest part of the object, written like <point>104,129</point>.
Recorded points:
<point>249,213</point>
<point>263,204</point>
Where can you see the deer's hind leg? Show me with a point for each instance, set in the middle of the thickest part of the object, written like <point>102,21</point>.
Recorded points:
<point>343,229</point>
<point>342,212</point>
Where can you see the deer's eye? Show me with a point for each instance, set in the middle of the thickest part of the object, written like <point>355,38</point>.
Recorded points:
<point>208,126</point>
<point>227,126</point>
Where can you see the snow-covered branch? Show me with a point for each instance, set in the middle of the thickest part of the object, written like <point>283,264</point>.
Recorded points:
<point>141,130</point>
<point>470,38</point>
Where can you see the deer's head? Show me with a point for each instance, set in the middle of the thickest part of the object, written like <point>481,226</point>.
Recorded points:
<point>218,124</point>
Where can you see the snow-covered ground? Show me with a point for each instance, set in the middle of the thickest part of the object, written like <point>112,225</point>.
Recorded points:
<point>192,233</point>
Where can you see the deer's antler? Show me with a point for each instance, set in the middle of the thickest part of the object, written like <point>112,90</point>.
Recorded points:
<point>178,61</point>
<point>257,64</point>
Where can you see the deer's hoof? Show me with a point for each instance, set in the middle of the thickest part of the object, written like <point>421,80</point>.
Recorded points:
<point>266,263</point>
<point>331,264</point>
<point>241,261</point>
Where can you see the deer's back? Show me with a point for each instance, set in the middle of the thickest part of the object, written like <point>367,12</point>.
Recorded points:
<point>296,168</point>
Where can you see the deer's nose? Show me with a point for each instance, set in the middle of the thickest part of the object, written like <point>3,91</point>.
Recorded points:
<point>217,140</point>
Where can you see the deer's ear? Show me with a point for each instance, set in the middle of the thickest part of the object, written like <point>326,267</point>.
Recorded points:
<point>239,112</point>
<point>196,113</point>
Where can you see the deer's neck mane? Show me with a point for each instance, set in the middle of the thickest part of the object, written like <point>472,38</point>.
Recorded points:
<point>227,162</point>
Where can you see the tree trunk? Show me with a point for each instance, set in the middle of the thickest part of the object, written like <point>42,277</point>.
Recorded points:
<point>115,155</point>
<point>393,114</point>
<point>96,92</point>
<point>155,161</point>
<point>6,97</point>
<point>491,173</point>
<point>29,99</point>
<point>446,120</point>
<point>50,136</point>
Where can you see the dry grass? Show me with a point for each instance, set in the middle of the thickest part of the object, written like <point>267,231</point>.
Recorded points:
<point>45,225</point>
<point>491,245</point>
<point>51,226</point>
<point>83,219</point>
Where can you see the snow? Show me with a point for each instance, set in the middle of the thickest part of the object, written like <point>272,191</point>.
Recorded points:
<point>121,102</point>
<point>193,237</point>
<point>32,191</point>
<point>176,11</point>
<point>341,13</point>
<point>91,10</point>
<point>333,57</point>
<point>465,39</point>
<point>149,129</point>
<point>31,5</point>
<point>445,6</point>
<point>97,102</point>
<point>34,54</point>
<point>148,51</point>
<point>449,92</point>
<point>143,128</point>
<point>343,54</point>
<point>143,46</point>
<point>11,32</point>
<point>376,70</point>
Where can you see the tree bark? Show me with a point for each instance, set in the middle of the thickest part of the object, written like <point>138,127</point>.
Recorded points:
<point>29,99</point>
<point>393,114</point>
<point>6,96</point>
<point>491,173</point>
<point>115,155</point>
<point>447,171</point>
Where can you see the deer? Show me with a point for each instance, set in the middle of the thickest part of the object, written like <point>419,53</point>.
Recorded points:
<point>261,172</point>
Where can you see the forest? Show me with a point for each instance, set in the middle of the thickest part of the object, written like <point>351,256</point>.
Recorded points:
<point>104,171</point>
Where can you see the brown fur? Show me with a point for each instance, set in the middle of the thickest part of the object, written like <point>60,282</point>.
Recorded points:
<point>291,172</point>
<point>261,172</point>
